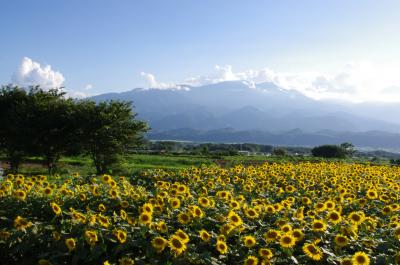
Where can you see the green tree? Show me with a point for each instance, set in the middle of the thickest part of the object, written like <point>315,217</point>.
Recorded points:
<point>14,103</point>
<point>329,151</point>
<point>279,152</point>
<point>52,125</point>
<point>348,148</point>
<point>108,130</point>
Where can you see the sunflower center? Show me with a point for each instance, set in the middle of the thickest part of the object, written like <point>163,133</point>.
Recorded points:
<point>176,243</point>
<point>361,259</point>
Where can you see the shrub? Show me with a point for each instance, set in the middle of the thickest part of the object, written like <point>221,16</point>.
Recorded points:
<point>329,151</point>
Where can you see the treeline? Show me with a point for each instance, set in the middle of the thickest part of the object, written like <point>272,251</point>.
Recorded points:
<point>34,122</point>
<point>217,149</point>
<point>203,148</point>
<point>175,147</point>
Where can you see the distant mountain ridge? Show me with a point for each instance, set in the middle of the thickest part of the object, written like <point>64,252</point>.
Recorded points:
<point>261,108</point>
<point>296,137</point>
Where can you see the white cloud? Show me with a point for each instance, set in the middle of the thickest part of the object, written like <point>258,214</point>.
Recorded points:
<point>356,82</point>
<point>76,94</point>
<point>31,73</point>
<point>154,84</point>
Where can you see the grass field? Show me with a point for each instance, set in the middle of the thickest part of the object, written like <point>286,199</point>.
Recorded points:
<point>130,163</point>
<point>135,162</point>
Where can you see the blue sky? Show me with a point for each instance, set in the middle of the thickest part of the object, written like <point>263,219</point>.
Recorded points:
<point>107,44</point>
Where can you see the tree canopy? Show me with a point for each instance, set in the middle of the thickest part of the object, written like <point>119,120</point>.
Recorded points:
<point>47,124</point>
<point>333,151</point>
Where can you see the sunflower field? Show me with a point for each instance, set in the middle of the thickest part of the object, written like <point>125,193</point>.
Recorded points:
<point>275,213</point>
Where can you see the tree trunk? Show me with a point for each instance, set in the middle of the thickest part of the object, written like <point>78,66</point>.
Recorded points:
<point>14,159</point>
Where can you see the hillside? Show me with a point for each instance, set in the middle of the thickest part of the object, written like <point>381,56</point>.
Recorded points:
<point>264,113</point>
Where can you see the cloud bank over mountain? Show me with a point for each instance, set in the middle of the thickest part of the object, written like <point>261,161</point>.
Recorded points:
<point>354,82</point>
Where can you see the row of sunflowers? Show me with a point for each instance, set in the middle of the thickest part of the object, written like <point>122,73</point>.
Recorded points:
<point>304,213</point>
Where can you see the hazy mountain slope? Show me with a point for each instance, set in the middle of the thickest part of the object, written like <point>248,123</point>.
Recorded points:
<point>240,106</point>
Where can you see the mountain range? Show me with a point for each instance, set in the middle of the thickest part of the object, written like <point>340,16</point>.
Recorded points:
<point>236,111</point>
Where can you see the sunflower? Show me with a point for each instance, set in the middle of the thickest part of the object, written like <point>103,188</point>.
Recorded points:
<point>176,245</point>
<point>396,233</point>
<point>103,221</point>
<point>299,214</point>
<point>56,235</point>
<point>226,229</point>
<point>147,208</point>
<point>123,214</point>
<point>265,253</point>
<point>145,218</point>
<point>48,191</point>
<point>235,205</point>
<point>287,241</point>
<point>106,178</point>
<point>182,235</point>
<point>356,217</point>
<point>20,194</point>
<point>77,216</point>
<point>44,262</point>
<point>95,191</point>
<point>70,243</point>
<point>113,193</point>
<point>184,218</point>
<point>126,261</point>
<point>221,238</point>
<point>311,214</point>
<point>346,261</point>
<point>330,205</point>
<point>121,235</point>
<point>197,212</point>
<point>251,260</point>
<point>298,234</point>
<point>251,213</point>
<point>56,208</point>
<point>334,217</point>
<point>234,219</point>
<point>159,243</point>
<point>318,226</point>
<point>360,258</point>
<point>21,223</point>
<point>101,207</point>
<point>4,235</point>
<point>386,210</point>
<point>372,194</point>
<point>91,237</point>
<point>270,209</point>
<point>271,235</point>
<point>286,228</point>
<point>312,251</point>
<point>221,246</point>
<point>290,189</point>
<point>341,240</point>
<point>204,235</point>
<point>203,202</point>
<point>249,241</point>
<point>175,203</point>
<point>306,200</point>
<point>320,207</point>
<point>124,204</point>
